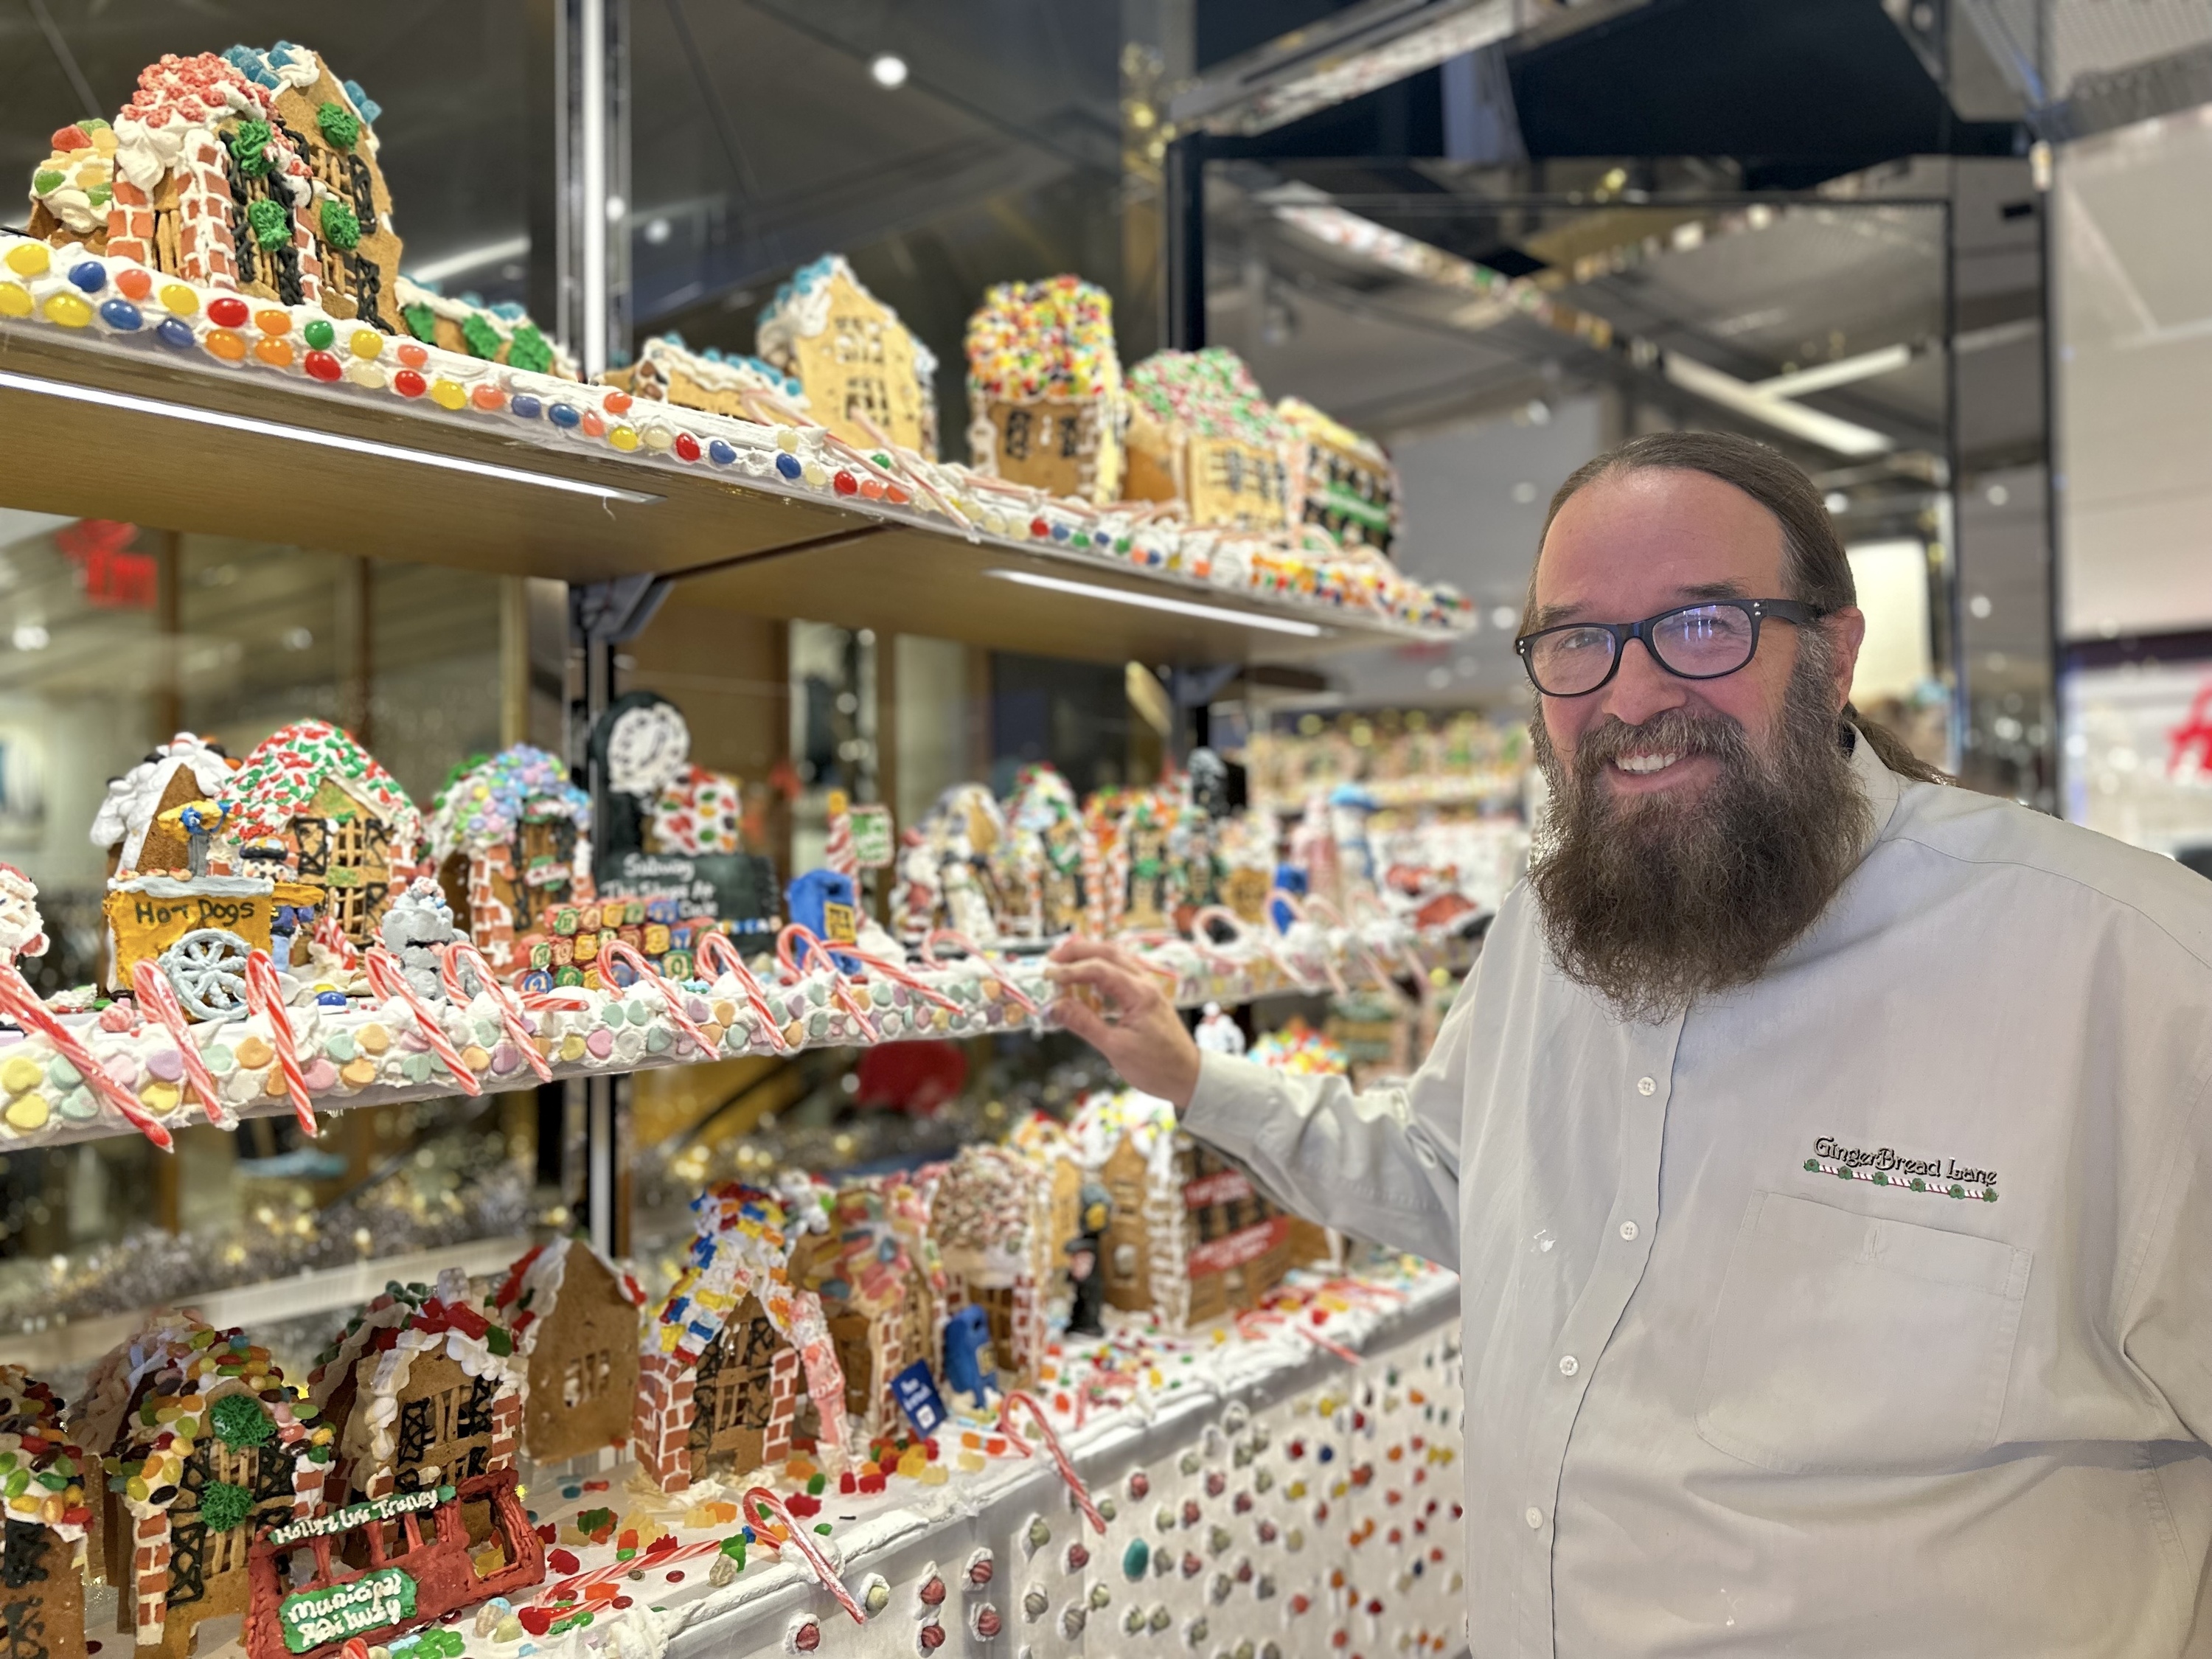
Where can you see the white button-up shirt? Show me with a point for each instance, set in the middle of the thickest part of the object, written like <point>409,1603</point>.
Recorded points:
<point>1864,1311</point>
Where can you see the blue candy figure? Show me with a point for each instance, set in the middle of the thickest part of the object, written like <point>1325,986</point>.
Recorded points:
<point>1289,879</point>
<point>827,905</point>
<point>970,1365</point>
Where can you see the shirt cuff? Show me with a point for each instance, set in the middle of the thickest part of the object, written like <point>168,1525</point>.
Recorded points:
<point>1231,1104</point>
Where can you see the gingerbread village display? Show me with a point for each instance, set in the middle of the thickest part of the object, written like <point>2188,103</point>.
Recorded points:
<point>1340,480</point>
<point>511,838</point>
<point>1202,434</point>
<point>1044,388</point>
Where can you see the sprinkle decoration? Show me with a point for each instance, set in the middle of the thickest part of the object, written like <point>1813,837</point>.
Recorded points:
<point>387,981</point>
<point>1052,1444</point>
<point>157,997</point>
<point>265,995</point>
<point>462,953</point>
<point>21,1005</point>
<point>1052,340</point>
<point>620,951</point>
<point>760,1497</point>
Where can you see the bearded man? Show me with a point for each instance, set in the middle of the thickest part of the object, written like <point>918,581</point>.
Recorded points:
<point>1823,1151</point>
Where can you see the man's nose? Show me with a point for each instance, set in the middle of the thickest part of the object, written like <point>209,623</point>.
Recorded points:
<point>1641,688</point>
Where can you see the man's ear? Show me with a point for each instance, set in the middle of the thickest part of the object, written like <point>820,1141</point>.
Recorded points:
<point>1846,631</point>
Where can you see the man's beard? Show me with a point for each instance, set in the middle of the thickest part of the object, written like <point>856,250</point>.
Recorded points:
<point>1651,901</point>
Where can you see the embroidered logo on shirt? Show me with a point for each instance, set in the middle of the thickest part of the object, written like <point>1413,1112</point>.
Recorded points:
<point>1885,1167</point>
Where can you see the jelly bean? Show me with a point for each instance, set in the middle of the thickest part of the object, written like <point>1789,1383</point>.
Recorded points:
<point>447,394</point>
<point>407,384</point>
<point>274,351</point>
<point>227,311</point>
<point>412,355</point>
<point>28,258</point>
<point>717,452</point>
<point>788,466</point>
<point>564,415</point>
<point>66,309</point>
<point>616,402</point>
<point>273,321</point>
<point>15,300</point>
<point>487,396</point>
<point>623,438</point>
<point>179,300</point>
<point>324,366</point>
<point>525,407</point>
<point>319,334</point>
<point>89,274</point>
<point>365,343</point>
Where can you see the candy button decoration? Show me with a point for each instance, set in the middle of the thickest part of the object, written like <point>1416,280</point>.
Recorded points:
<point>28,258</point>
<point>319,334</point>
<point>525,407</point>
<point>66,309</point>
<point>409,384</point>
<point>121,315</point>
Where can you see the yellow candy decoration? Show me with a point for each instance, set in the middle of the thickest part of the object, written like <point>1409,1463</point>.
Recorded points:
<point>446,394</point>
<point>15,300</point>
<point>179,300</point>
<point>28,258</point>
<point>365,342</point>
<point>68,309</point>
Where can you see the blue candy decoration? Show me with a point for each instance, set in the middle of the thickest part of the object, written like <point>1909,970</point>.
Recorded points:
<point>567,416</point>
<point>789,466</point>
<point>91,275</point>
<point>525,407</point>
<point>720,452</point>
<point>120,315</point>
<point>175,333</point>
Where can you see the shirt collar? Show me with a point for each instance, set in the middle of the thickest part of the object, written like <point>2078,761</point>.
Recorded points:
<point>1884,789</point>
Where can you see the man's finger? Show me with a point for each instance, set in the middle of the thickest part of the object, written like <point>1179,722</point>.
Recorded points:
<point>1125,989</point>
<point>1080,1017</point>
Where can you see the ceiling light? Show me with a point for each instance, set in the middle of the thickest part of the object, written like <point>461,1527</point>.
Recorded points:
<point>233,423</point>
<point>31,637</point>
<point>1844,437</point>
<point>889,69</point>
<point>1842,372</point>
<point>1159,602</point>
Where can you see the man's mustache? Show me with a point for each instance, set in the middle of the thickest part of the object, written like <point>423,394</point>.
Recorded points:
<point>1681,731</point>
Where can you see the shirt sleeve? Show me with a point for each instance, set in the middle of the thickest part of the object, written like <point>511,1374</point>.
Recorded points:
<point>2172,1309</point>
<point>1382,1163</point>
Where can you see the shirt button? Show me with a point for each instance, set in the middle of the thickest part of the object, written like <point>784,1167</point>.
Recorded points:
<point>1569,1365</point>
<point>1646,1086</point>
<point>1535,1518</point>
<point>1628,1231</point>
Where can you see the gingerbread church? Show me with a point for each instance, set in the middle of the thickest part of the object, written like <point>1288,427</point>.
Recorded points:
<point>575,1315</point>
<point>867,377</point>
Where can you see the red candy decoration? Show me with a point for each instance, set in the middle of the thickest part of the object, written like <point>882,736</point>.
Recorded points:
<point>845,483</point>
<point>562,1562</point>
<point>321,366</point>
<point>229,312</point>
<point>409,354</point>
<point>687,446</point>
<point>808,1637</point>
<point>536,1620</point>
<point>1039,528</point>
<point>407,384</point>
<point>932,1638</point>
<point>133,283</point>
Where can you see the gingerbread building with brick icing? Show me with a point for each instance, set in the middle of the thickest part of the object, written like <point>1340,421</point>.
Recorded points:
<point>423,1388</point>
<point>995,1212</point>
<point>327,816</point>
<point>883,1291</point>
<point>1201,435</point>
<point>214,1447</point>
<point>735,1354</point>
<point>867,377</point>
<point>47,1490</point>
<point>1044,388</point>
<point>510,837</point>
<point>575,1315</point>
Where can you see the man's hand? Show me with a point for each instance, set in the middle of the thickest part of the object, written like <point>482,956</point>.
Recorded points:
<point>1116,1005</point>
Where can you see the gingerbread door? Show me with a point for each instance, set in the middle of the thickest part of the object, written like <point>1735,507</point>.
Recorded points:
<point>41,1598</point>
<point>732,1393</point>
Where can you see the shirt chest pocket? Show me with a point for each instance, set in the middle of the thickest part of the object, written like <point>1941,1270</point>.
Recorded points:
<point>1851,1343</point>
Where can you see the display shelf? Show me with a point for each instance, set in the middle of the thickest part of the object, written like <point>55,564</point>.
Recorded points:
<point>73,1345</point>
<point>379,1051</point>
<point>391,449</point>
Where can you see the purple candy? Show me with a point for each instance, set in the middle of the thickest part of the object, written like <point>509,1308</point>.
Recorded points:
<point>166,1064</point>
<point>506,1057</point>
<point>600,1043</point>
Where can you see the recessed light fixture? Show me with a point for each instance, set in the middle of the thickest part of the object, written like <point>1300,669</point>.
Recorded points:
<point>300,435</point>
<point>31,637</point>
<point>889,69</point>
<point>1160,602</point>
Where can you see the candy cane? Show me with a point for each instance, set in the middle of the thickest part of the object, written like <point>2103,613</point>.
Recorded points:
<point>718,956</point>
<point>838,987</point>
<point>912,465</point>
<point>387,980</point>
<point>1201,940</point>
<point>461,953</point>
<point>760,1497</point>
<point>621,950</point>
<point>1383,975</point>
<point>960,940</point>
<point>265,995</point>
<point>157,997</point>
<point>1059,1456</point>
<point>1347,1355</point>
<point>1297,907</point>
<point>22,1006</point>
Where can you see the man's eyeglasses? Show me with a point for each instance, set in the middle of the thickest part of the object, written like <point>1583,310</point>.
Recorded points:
<point>1703,642</point>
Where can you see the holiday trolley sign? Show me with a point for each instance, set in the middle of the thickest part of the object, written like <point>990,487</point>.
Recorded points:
<point>375,1600</point>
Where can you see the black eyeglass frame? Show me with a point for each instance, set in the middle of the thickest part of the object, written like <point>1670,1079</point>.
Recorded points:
<point>1794,612</point>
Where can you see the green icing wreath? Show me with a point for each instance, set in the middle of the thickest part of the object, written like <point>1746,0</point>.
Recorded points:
<point>249,147</point>
<point>241,1420</point>
<point>527,350</point>
<point>481,338</point>
<point>341,229</point>
<point>223,1506</point>
<point>339,125</point>
<point>271,224</point>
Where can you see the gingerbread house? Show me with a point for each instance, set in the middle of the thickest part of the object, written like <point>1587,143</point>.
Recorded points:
<point>668,371</point>
<point>95,1419</point>
<point>1190,1237</point>
<point>1044,388</point>
<point>340,823</point>
<point>1201,435</point>
<point>329,125</point>
<point>697,813</point>
<point>511,839</point>
<point>44,1513</point>
<point>867,378</point>
<point>137,825</point>
<point>998,1215</point>
<point>723,1354</point>
<point>501,333</point>
<point>209,186</point>
<point>422,1389</point>
<point>1048,872</point>
<point>575,1315</point>
<point>214,1448</point>
<point>950,868</point>
<point>1340,480</point>
<point>883,1297</point>
<point>73,188</point>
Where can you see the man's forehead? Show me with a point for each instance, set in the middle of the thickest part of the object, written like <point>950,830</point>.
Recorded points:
<point>1656,538</point>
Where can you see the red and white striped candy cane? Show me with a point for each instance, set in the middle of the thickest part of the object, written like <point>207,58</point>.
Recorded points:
<point>22,1006</point>
<point>157,997</point>
<point>1201,939</point>
<point>760,1497</point>
<point>1297,907</point>
<point>1383,975</point>
<point>462,953</point>
<point>954,936</point>
<point>1059,1456</point>
<point>388,980</point>
<point>718,956</point>
<point>329,932</point>
<point>265,995</point>
<point>679,1016</point>
<point>840,987</point>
